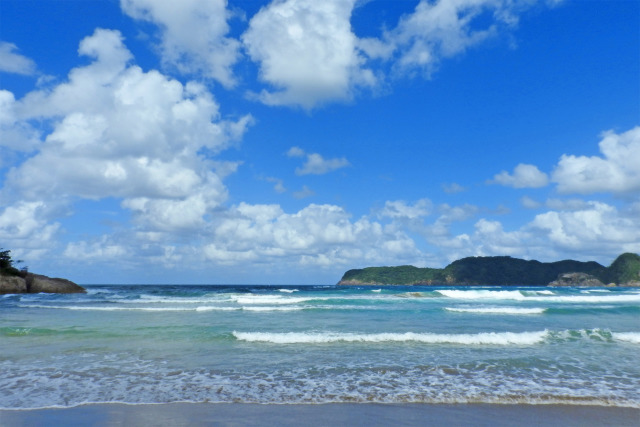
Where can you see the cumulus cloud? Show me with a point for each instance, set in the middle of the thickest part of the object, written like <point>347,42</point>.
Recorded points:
<point>320,235</point>
<point>12,62</point>
<point>315,163</point>
<point>524,176</point>
<point>118,131</point>
<point>443,29</point>
<point>307,51</point>
<point>193,35</point>
<point>615,171</point>
<point>15,134</point>
<point>597,228</point>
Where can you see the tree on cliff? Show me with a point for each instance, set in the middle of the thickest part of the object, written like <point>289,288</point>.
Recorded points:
<point>6,264</point>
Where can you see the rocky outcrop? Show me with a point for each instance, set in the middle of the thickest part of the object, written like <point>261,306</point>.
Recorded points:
<point>576,279</point>
<point>36,283</point>
<point>12,285</point>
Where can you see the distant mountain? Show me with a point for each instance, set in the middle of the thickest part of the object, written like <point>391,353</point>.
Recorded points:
<point>504,271</point>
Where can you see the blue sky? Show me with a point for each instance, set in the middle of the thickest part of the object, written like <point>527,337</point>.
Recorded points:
<point>285,142</point>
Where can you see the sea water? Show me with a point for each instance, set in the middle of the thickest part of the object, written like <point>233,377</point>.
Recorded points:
<point>320,344</point>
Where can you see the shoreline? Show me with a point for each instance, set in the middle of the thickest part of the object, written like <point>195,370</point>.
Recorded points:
<point>327,414</point>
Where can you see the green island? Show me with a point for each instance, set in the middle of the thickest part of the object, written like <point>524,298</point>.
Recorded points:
<point>504,271</point>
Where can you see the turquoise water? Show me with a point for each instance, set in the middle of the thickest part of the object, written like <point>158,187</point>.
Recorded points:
<point>319,344</point>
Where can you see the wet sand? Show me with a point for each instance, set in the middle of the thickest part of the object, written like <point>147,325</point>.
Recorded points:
<point>208,414</point>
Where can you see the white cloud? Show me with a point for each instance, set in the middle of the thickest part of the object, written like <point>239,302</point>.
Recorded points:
<point>102,250</point>
<point>490,238</point>
<point>278,184</point>
<point>530,203</point>
<point>319,235</point>
<point>443,29</point>
<point>315,163</point>
<point>597,228</point>
<point>295,152</point>
<point>566,205</point>
<point>121,132</point>
<point>15,134</point>
<point>524,176</point>
<point>13,62</point>
<point>453,188</point>
<point>399,209</point>
<point>616,171</point>
<point>193,35</point>
<point>306,51</point>
<point>304,193</point>
<point>318,165</point>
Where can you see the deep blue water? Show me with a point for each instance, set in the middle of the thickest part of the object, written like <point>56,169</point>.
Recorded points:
<point>317,344</point>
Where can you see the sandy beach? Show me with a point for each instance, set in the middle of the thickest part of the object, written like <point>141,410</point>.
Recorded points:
<point>204,414</point>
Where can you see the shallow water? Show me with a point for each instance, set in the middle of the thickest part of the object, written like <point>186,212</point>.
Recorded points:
<point>260,344</point>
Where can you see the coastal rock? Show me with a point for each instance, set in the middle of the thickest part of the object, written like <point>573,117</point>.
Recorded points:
<point>35,283</point>
<point>12,285</point>
<point>38,283</point>
<point>577,279</point>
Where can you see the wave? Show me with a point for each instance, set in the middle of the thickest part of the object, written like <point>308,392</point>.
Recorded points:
<point>267,308</point>
<point>544,296</point>
<point>481,294</point>
<point>287,291</point>
<point>484,338</point>
<point>626,298</point>
<point>497,310</point>
<point>269,299</point>
<point>632,337</point>
<point>151,309</point>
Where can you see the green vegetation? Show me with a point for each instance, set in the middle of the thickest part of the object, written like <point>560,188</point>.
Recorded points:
<point>6,265</point>
<point>499,270</point>
<point>626,268</point>
<point>402,275</point>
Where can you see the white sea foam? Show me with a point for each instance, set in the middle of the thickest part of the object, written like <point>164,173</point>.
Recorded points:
<point>481,294</point>
<point>287,291</point>
<point>497,310</point>
<point>625,298</point>
<point>376,290</point>
<point>268,299</point>
<point>151,309</point>
<point>485,338</point>
<point>538,296</point>
<point>632,337</point>
<point>145,299</point>
<point>267,308</point>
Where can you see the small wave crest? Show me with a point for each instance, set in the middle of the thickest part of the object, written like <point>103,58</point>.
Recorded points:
<point>486,338</point>
<point>268,299</point>
<point>481,294</point>
<point>632,337</point>
<point>496,310</point>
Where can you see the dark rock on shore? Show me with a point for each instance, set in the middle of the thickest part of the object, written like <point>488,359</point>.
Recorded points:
<point>577,279</point>
<point>35,283</point>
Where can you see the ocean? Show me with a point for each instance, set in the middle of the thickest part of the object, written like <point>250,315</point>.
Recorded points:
<point>321,344</point>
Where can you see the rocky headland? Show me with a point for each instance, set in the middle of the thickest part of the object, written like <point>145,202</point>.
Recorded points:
<point>35,283</point>
<point>504,271</point>
<point>14,281</point>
